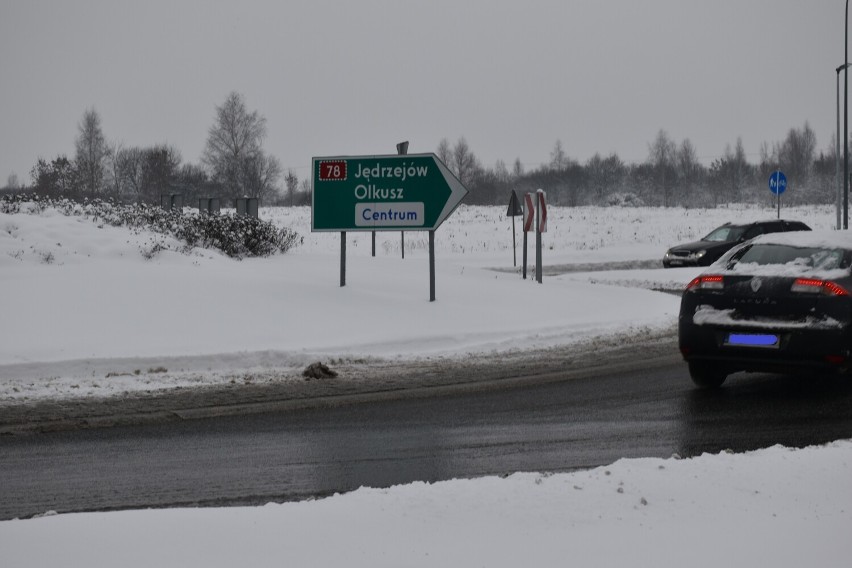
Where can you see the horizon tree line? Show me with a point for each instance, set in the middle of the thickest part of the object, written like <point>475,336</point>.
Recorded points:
<point>672,175</point>
<point>234,164</point>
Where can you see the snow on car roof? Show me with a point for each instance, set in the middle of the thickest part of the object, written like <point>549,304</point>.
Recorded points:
<point>814,239</point>
<point>830,240</point>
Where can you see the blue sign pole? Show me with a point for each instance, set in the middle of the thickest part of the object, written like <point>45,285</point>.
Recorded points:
<point>777,185</point>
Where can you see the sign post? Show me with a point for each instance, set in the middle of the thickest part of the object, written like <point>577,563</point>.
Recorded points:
<point>540,227</point>
<point>514,210</point>
<point>401,150</point>
<point>777,185</point>
<point>414,192</point>
<point>529,218</point>
<point>535,219</point>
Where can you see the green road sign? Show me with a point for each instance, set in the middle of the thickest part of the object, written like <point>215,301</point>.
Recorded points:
<point>383,193</point>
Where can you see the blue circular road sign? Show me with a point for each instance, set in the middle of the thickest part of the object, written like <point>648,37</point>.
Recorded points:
<point>777,182</point>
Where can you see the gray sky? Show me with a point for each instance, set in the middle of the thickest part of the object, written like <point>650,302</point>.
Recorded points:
<point>339,77</point>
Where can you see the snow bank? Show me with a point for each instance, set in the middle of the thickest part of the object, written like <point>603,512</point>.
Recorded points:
<point>775,507</point>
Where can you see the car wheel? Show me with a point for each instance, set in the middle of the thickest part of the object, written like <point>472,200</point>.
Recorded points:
<point>706,375</point>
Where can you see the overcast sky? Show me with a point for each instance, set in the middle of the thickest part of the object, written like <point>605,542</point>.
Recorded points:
<point>335,77</point>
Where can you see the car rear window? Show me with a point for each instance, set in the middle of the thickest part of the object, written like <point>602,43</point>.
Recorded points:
<point>806,257</point>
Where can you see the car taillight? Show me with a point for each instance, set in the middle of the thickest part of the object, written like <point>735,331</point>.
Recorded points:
<point>710,282</point>
<point>816,286</point>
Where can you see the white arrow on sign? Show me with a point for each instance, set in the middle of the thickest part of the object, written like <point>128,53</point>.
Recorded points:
<point>457,192</point>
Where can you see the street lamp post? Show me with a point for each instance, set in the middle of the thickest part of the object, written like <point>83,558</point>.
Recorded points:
<point>839,192</point>
<point>846,121</point>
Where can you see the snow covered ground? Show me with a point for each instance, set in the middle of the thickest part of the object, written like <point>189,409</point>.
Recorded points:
<point>774,507</point>
<point>86,313</point>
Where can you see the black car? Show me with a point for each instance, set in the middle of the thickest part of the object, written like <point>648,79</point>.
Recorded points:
<point>780,303</point>
<point>722,239</point>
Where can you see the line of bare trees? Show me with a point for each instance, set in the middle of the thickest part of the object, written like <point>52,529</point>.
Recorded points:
<point>235,164</point>
<point>672,174</point>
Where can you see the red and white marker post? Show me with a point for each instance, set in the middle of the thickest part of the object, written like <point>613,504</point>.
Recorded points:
<point>535,219</point>
<point>541,227</point>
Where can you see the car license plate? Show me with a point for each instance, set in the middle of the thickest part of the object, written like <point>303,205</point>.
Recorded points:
<point>766,340</point>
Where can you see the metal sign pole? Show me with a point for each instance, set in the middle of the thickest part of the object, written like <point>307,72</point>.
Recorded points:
<point>402,150</point>
<point>514,244</point>
<point>538,239</point>
<point>431,266</point>
<point>342,258</point>
<point>778,188</point>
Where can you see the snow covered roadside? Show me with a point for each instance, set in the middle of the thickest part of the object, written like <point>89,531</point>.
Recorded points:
<point>83,312</point>
<point>86,313</point>
<point>775,507</point>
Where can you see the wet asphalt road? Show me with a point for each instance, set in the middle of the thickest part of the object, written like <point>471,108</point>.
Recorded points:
<point>296,454</point>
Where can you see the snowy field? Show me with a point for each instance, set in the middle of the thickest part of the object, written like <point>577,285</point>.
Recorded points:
<point>86,314</point>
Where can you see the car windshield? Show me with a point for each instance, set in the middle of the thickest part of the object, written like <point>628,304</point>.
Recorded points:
<point>815,258</point>
<point>725,234</point>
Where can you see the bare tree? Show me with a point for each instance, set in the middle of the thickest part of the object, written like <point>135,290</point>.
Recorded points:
<point>463,162</point>
<point>12,181</point>
<point>292,183</point>
<point>444,153</point>
<point>596,176</point>
<point>92,152</point>
<point>160,165</point>
<point>193,183</point>
<point>129,166</point>
<point>605,175</point>
<point>730,174</point>
<point>501,172</point>
<point>688,169</point>
<point>517,169</point>
<point>661,156</point>
<point>115,180</point>
<point>260,174</point>
<point>55,178</point>
<point>558,158</point>
<point>143,174</point>
<point>686,160</point>
<point>234,153</point>
<point>796,154</point>
<point>307,191</point>
<point>741,171</point>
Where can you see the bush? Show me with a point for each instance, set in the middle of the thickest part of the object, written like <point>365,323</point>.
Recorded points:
<point>624,200</point>
<point>237,236</point>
